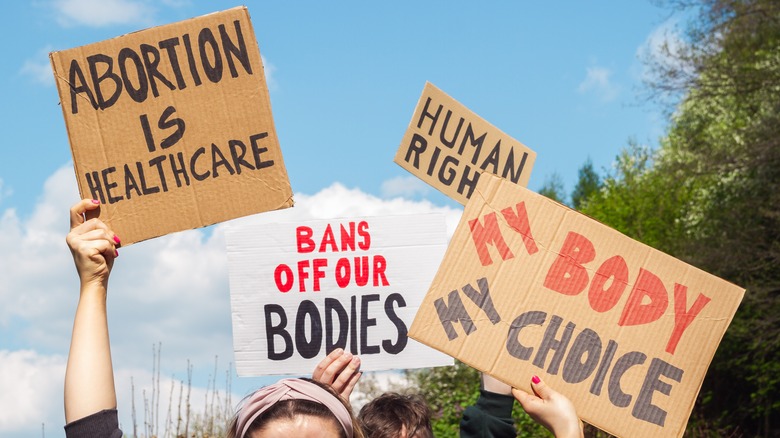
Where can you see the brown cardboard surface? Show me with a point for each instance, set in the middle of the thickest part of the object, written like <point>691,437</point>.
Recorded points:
<point>529,287</point>
<point>171,127</point>
<point>448,147</point>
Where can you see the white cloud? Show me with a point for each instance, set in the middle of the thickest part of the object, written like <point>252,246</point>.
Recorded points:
<point>33,250</point>
<point>269,70</point>
<point>172,290</point>
<point>404,186</point>
<point>339,201</point>
<point>598,80</point>
<point>99,13</point>
<point>38,68</point>
<point>31,394</point>
<point>662,48</point>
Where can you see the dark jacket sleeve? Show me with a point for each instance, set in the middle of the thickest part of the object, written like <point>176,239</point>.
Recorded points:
<point>103,424</point>
<point>489,417</point>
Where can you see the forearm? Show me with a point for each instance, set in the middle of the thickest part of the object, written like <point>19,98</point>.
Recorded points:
<point>570,433</point>
<point>89,379</point>
<point>572,429</point>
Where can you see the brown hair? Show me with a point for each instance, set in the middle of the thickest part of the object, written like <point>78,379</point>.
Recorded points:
<point>386,415</point>
<point>289,409</point>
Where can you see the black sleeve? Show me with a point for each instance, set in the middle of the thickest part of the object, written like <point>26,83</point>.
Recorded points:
<point>103,424</point>
<point>490,417</point>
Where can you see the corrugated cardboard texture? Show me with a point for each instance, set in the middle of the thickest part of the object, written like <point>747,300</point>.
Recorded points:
<point>299,290</point>
<point>448,147</point>
<point>171,127</point>
<point>623,330</point>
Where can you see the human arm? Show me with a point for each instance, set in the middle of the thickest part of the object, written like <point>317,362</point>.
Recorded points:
<point>551,409</point>
<point>89,377</point>
<point>339,369</point>
<point>491,415</point>
<point>491,384</point>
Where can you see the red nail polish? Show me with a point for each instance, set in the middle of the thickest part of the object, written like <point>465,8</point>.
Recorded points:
<point>116,254</point>
<point>95,201</point>
<point>536,380</point>
<point>116,239</point>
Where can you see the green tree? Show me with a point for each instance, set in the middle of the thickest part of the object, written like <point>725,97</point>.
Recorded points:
<point>588,184</point>
<point>553,188</point>
<point>725,141</point>
<point>640,201</point>
<point>714,185</point>
<point>710,195</point>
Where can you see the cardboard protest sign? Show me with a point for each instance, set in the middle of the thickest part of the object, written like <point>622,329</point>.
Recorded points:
<point>300,290</point>
<point>529,287</point>
<point>448,147</point>
<point>171,127</point>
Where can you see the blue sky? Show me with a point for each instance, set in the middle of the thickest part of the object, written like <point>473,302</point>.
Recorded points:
<point>344,77</point>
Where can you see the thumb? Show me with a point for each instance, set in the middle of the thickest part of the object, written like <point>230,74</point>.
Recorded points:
<point>540,388</point>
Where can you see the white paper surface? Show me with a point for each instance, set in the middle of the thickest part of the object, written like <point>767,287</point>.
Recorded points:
<point>403,254</point>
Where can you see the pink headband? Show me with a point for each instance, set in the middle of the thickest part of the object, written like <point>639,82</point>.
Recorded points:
<point>291,389</point>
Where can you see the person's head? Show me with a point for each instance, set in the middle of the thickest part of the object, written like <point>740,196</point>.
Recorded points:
<point>295,408</point>
<point>394,415</point>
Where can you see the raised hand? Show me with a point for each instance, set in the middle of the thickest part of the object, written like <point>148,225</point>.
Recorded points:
<point>92,243</point>
<point>551,409</point>
<point>339,369</point>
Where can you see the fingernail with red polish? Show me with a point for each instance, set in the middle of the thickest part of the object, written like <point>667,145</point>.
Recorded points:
<point>536,380</point>
<point>116,254</point>
<point>95,201</point>
<point>116,239</point>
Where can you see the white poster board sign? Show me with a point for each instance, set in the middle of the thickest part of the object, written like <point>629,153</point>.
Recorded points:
<point>299,290</point>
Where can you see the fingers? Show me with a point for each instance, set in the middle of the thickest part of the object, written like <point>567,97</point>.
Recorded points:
<point>526,400</point>
<point>92,244</point>
<point>79,227</point>
<point>550,408</point>
<point>91,230</point>
<point>322,367</point>
<point>348,376</point>
<point>78,210</point>
<point>92,225</point>
<point>339,369</point>
<point>90,240</point>
<point>531,402</point>
<point>331,368</point>
<point>354,376</point>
